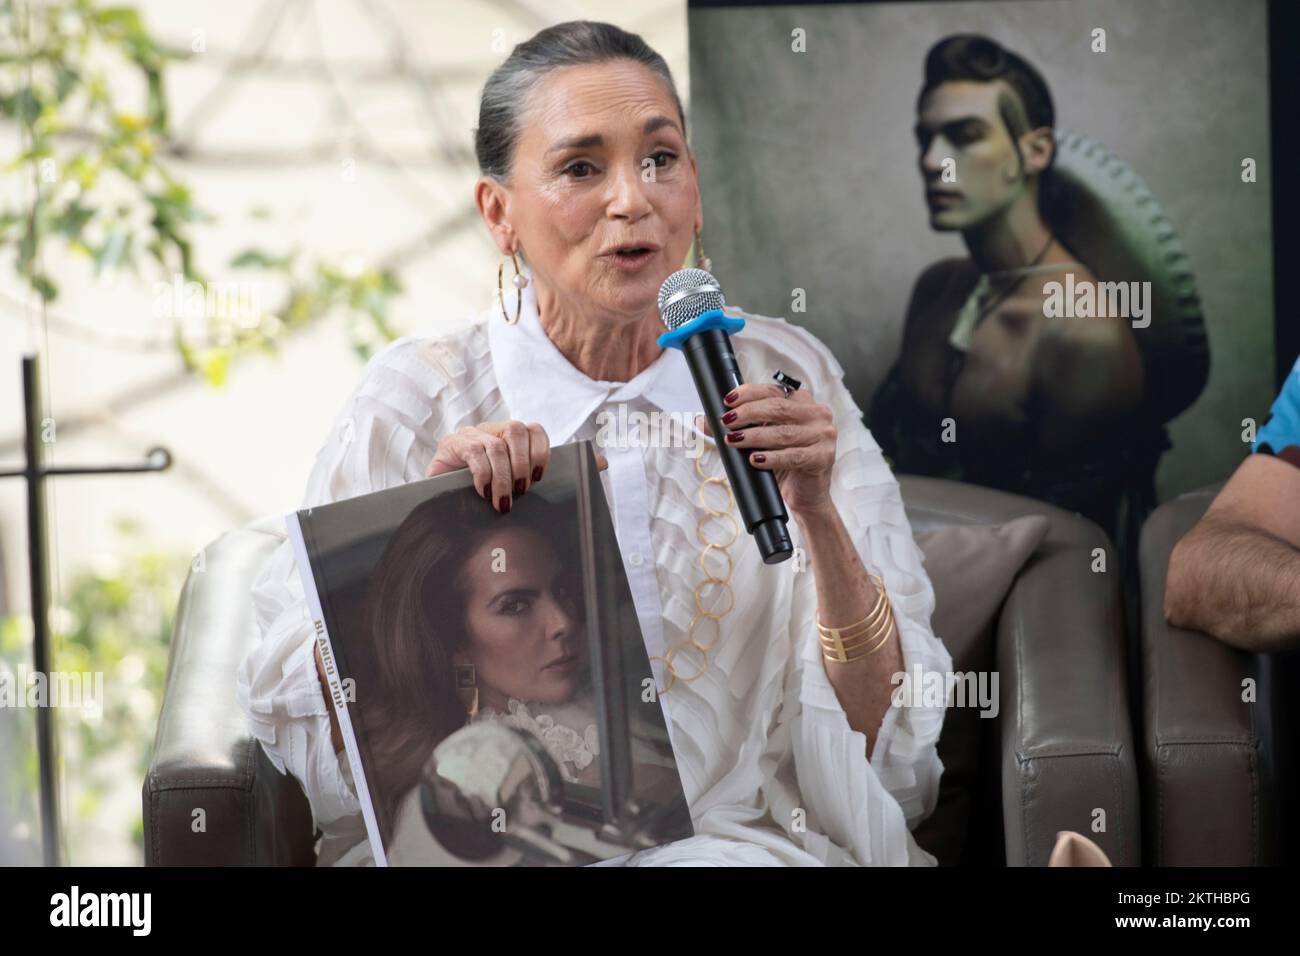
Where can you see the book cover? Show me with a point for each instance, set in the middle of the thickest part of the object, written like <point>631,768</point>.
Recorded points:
<point>488,672</point>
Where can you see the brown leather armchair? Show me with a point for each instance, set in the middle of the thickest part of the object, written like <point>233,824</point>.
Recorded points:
<point>1064,736</point>
<point>203,758</point>
<point>1211,779</point>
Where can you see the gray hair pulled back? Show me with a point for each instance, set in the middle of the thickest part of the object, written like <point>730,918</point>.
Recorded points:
<point>575,43</point>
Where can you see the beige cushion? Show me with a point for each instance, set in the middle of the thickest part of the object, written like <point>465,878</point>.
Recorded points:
<point>971,568</point>
<point>1075,849</point>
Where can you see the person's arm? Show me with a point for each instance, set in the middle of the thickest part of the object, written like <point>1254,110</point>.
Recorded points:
<point>799,441</point>
<point>845,594</point>
<point>863,765</point>
<point>842,751</point>
<point>1236,573</point>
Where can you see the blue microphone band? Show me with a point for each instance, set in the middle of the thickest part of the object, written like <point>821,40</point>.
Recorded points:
<point>713,319</point>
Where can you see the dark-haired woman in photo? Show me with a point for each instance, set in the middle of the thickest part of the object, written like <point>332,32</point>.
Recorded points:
<point>476,618</point>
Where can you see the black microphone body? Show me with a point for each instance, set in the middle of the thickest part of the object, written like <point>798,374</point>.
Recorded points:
<point>713,366</point>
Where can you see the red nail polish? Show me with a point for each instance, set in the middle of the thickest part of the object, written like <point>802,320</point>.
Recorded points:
<point>504,504</point>
<point>487,491</point>
<point>759,459</point>
<point>728,418</point>
<point>735,437</point>
<point>731,397</point>
<point>537,473</point>
<point>519,487</point>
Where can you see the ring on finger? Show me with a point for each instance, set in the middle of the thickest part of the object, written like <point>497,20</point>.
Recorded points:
<point>789,384</point>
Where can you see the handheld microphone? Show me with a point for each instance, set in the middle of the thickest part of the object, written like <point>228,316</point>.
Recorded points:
<point>690,303</point>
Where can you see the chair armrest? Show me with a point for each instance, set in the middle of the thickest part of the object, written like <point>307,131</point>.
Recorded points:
<point>1207,788</point>
<point>1066,738</point>
<point>211,797</point>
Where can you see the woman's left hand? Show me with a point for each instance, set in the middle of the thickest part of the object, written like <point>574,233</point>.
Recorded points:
<point>795,437</point>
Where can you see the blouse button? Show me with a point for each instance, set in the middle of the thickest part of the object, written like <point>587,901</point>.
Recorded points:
<point>635,559</point>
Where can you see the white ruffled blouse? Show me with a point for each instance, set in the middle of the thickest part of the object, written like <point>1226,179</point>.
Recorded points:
<point>568,734</point>
<point>771,770</point>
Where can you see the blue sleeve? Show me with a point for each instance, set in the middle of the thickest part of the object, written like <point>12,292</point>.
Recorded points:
<point>1280,433</point>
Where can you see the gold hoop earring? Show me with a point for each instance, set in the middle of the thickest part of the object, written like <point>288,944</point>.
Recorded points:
<point>701,260</point>
<point>467,689</point>
<point>520,281</point>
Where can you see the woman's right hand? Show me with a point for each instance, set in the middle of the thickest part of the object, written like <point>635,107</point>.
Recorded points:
<point>506,458</point>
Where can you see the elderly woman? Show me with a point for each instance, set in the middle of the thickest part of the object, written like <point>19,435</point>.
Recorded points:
<point>776,680</point>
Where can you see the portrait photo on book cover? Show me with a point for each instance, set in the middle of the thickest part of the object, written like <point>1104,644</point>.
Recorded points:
<point>489,674</point>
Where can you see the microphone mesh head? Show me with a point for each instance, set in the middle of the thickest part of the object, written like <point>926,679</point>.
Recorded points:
<point>687,294</point>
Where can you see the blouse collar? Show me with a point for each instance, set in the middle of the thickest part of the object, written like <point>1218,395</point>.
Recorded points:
<point>539,384</point>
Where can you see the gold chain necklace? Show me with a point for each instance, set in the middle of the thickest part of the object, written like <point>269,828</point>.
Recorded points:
<point>721,584</point>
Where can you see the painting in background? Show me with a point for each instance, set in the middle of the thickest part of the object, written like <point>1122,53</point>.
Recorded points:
<point>816,152</point>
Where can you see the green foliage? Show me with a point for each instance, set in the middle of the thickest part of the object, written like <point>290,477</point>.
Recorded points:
<point>81,145</point>
<point>362,294</point>
<point>116,620</point>
<point>102,187</point>
<point>19,770</point>
<point>85,84</point>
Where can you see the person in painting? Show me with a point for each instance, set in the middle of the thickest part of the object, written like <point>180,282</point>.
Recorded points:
<point>987,388</point>
<point>776,687</point>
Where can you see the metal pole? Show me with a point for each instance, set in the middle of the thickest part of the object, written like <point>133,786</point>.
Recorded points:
<point>34,470</point>
<point>46,741</point>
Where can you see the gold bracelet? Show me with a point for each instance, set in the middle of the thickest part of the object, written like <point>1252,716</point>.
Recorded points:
<point>871,639</point>
<point>845,658</point>
<point>867,624</point>
<point>850,631</point>
<point>850,660</point>
<point>876,637</point>
<point>839,643</point>
<point>839,637</point>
